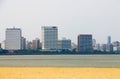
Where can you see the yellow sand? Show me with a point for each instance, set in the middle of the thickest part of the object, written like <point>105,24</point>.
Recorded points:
<point>59,73</point>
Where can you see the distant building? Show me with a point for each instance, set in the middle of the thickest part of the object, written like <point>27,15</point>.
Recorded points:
<point>36,44</point>
<point>23,43</point>
<point>29,45</point>
<point>116,46</point>
<point>40,45</point>
<point>0,48</point>
<point>116,49</point>
<point>109,40</point>
<point>109,48</point>
<point>3,44</point>
<point>49,38</point>
<point>109,45</point>
<point>85,43</point>
<point>13,39</point>
<point>98,47</point>
<point>64,44</point>
<point>94,44</point>
<point>103,47</point>
<point>0,45</point>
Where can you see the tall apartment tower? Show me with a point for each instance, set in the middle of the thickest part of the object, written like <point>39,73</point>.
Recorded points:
<point>85,43</point>
<point>13,39</point>
<point>49,37</point>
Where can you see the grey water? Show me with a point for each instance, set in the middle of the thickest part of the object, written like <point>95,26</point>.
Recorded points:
<point>99,61</point>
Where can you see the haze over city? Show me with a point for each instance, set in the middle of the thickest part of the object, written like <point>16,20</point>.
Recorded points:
<point>97,17</point>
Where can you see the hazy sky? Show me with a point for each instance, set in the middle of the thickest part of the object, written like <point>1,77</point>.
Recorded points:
<point>98,17</point>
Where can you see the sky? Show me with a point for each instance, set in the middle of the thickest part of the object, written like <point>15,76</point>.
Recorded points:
<point>100,18</point>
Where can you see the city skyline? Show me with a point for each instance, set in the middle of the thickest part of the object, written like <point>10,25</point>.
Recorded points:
<point>59,38</point>
<point>15,41</point>
<point>99,18</point>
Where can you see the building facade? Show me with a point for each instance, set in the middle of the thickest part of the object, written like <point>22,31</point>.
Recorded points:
<point>98,47</point>
<point>13,39</point>
<point>109,40</point>
<point>109,48</point>
<point>64,44</point>
<point>29,45</point>
<point>49,37</point>
<point>85,43</point>
<point>103,47</point>
<point>116,46</point>
<point>94,44</point>
<point>23,43</point>
<point>36,44</point>
<point>109,45</point>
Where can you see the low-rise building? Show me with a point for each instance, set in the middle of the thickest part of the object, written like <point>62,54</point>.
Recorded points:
<point>64,44</point>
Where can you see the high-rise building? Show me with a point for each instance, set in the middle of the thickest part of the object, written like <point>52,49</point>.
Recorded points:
<point>64,44</point>
<point>49,38</point>
<point>36,44</point>
<point>13,39</point>
<point>109,39</point>
<point>85,43</point>
<point>23,43</point>
<point>109,45</point>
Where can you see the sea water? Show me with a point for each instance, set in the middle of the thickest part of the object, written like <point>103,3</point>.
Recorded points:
<point>110,61</point>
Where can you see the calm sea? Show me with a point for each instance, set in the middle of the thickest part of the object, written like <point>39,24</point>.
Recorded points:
<point>111,61</point>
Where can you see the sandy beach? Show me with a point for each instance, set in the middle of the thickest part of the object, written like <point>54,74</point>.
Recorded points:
<point>59,73</point>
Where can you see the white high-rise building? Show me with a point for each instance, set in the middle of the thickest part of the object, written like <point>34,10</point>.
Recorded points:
<point>13,39</point>
<point>49,38</point>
